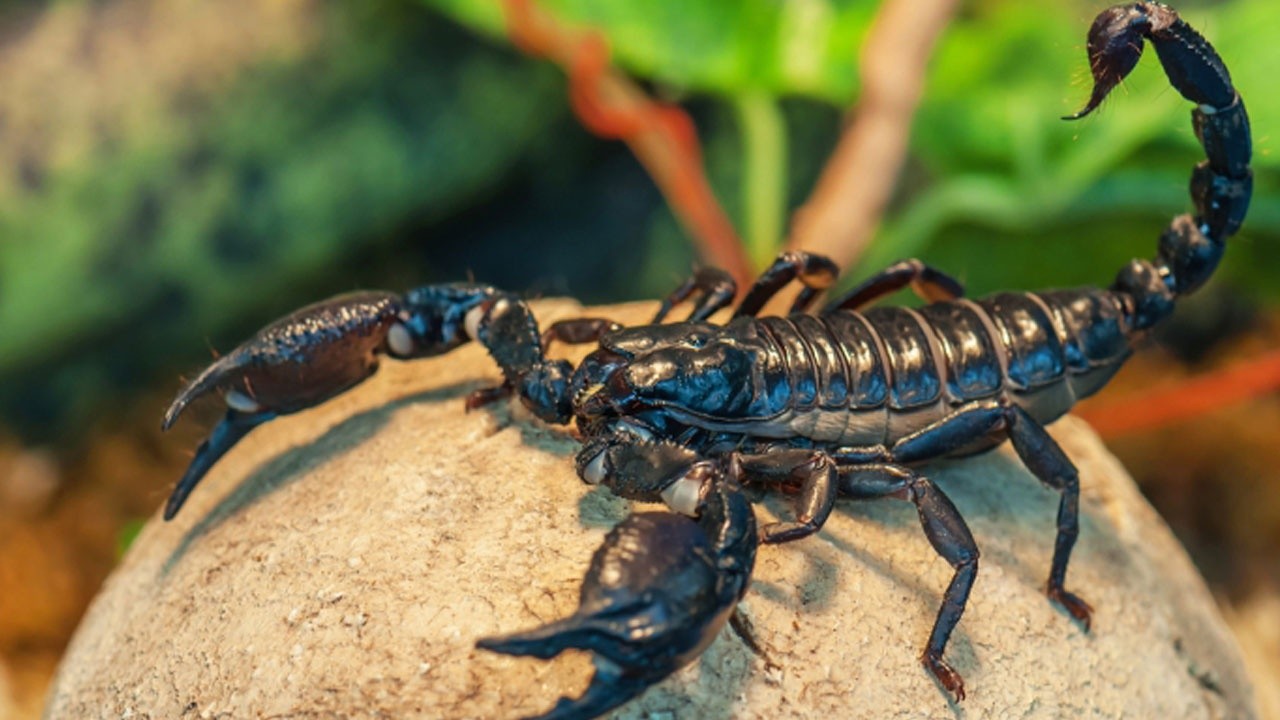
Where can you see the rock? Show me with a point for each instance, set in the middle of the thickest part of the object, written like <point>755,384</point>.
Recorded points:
<point>8,708</point>
<point>343,561</point>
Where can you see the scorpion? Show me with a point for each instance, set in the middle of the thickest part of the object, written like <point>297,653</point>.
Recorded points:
<point>847,402</point>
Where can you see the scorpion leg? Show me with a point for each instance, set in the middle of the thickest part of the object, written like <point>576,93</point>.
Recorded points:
<point>661,586</point>
<point>929,284</point>
<point>1046,460</point>
<point>1041,455</point>
<point>577,331</point>
<point>714,287</point>
<point>950,538</point>
<point>815,272</point>
<point>814,472</point>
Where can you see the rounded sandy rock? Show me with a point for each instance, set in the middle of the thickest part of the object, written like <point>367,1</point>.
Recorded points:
<point>341,562</point>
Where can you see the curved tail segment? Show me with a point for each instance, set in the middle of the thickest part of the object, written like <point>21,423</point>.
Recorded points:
<point>1221,186</point>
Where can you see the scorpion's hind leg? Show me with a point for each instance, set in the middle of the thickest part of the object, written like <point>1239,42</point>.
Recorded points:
<point>930,284</point>
<point>657,593</point>
<point>1038,451</point>
<point>1046,460</point>
<point>950,538</point>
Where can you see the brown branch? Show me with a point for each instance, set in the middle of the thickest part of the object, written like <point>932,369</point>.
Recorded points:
<point>661,135</point>
<point>1183,400</point>
<point>846,205</point>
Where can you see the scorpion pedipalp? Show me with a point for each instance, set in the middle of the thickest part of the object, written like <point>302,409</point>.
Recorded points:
<point>658,591</point>
<point>326,348</point>
<point>294,363</point>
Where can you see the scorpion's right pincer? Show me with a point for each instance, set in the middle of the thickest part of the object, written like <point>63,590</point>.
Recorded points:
<point>658,591</point>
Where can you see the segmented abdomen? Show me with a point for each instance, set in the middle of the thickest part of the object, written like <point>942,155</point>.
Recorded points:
<point>856,378</point>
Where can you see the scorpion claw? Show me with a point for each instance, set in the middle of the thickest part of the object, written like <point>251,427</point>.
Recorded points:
<point>227,433</point>
<point>206,381</point>
<point>292,364</point>
<point>659,590</point>
<point>611,685</point>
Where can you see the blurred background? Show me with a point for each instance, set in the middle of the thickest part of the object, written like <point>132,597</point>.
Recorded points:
<point>174,174</point>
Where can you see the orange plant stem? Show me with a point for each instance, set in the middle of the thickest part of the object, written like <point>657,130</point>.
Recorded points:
<point>1184,400</point>
<point>662,136</point>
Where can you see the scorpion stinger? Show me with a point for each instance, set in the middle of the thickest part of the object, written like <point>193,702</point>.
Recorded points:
<point>659,590</point>
<point>1192,246</point>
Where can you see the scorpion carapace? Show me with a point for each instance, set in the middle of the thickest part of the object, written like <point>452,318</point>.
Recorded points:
<point>844,402</point>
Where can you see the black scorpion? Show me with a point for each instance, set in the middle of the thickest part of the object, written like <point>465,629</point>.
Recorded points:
<point>845,402</point>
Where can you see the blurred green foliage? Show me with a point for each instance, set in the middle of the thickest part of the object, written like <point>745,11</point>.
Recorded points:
<point>719,47</point>
<point>221,197</point>
<point>204,200</point>
<point>131,231</point>
<point>994,169</point>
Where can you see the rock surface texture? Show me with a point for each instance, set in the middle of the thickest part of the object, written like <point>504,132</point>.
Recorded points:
<point>342,562</point>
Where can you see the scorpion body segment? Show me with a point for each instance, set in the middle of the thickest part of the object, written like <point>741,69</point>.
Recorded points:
<point>847,402</point>
<point>850,378</point>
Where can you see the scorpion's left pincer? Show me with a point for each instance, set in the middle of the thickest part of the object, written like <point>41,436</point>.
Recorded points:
<point>291,364</point>
<point>326,348</point>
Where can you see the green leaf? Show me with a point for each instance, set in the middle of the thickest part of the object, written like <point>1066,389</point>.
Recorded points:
<point>800,47</point>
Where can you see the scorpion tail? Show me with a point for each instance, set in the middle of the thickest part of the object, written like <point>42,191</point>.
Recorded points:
<point>1192,246</point>
<point>1115,44</point>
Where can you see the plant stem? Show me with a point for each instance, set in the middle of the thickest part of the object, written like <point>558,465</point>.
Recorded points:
<point>764,174</point>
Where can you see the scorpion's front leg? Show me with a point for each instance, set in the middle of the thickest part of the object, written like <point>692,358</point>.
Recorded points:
<point>662,585</point>
<point>815,272</point>
<point>810,473</point>
<point>324,349</point>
